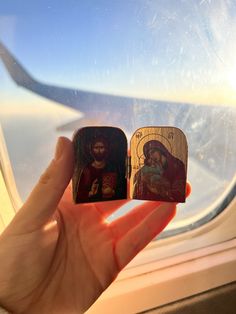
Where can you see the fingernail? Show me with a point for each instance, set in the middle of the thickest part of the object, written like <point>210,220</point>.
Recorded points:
<point>59,149</point>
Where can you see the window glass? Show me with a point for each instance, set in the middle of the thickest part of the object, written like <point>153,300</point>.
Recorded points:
<point>175,60</point>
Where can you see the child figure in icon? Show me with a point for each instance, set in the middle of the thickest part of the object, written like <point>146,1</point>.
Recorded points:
<point>100,177</point>
<point>162,176</point>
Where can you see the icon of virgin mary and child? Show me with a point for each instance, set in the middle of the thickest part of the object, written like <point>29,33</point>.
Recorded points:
<point>162,177</point>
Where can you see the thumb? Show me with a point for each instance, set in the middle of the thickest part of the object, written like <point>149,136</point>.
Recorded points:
<point>43,200</point>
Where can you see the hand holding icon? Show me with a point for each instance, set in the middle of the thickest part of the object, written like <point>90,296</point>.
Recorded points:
<point>52,244</point>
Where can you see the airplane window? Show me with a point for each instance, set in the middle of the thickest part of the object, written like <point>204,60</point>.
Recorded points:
<point>127,64</point>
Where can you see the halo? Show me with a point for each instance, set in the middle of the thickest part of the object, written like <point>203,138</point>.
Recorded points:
<point>150,137</point>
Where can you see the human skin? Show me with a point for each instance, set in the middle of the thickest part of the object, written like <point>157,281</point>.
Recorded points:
<point>57,256</point>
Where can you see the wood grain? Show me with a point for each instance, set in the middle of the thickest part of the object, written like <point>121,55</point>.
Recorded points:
<point>172,145</point>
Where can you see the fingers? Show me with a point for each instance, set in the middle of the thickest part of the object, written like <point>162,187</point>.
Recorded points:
<point>137,228</point>
<point>137,238</point>
<point>125,223</point>
<point>108,207</point>
<point>44,198</point>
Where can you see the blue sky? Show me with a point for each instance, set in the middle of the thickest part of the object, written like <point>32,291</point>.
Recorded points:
<point>169,49</point>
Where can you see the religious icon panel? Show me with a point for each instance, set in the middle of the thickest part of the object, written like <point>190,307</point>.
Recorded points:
<point>159,164</point>
<point>157,167</point>
<point>100,159</point>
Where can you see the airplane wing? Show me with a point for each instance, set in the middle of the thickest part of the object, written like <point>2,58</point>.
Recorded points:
<point>98,108</point>
<point>102,108</point>
<point>77,99</point>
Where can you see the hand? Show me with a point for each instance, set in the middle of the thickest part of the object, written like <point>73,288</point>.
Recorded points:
<point>58,257</point>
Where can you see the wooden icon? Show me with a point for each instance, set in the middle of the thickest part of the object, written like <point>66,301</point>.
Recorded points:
<point>157,167</point>
<point>159,164</point>
<point>100,171</point>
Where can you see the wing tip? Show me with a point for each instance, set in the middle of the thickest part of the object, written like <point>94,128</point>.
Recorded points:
<point>17,72</point>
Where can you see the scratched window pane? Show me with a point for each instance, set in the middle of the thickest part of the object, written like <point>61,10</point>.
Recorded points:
<point>128,64</point>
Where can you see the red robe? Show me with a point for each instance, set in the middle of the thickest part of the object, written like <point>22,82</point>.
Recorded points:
<point>170,187</point>
<point>107,177</point>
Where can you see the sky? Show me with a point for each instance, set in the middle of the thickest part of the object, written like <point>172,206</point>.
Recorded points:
<point>179,50</point>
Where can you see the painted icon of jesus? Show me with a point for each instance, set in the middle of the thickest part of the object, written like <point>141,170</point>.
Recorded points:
<point>101,169</point>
